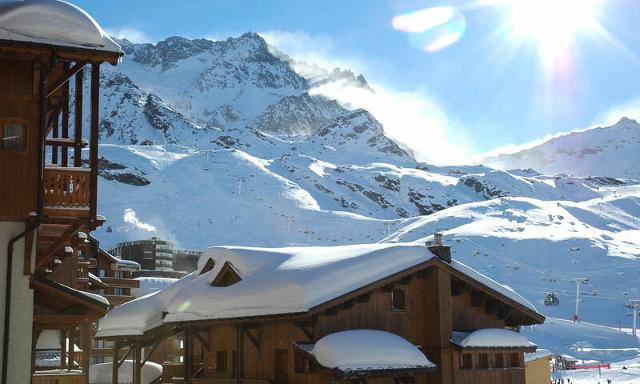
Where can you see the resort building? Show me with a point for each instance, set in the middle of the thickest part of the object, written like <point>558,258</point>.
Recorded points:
<point>50,58</point>
<point>378,313</point>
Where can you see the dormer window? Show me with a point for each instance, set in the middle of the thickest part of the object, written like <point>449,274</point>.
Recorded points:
<point>227,276</point>
<point>208,266</point>
<point>13,133</point>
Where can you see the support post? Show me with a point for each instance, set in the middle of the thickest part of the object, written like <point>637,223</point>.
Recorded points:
<point>85,336</point>
<point>137,366</point>
<point>239,353</point>
<point>63,349</point>
<point>93,145</point>
<point>77,119</point>
<point>65,119</point>
<point>115,364</point>
<point>579,281</point>
<point>188,340</point>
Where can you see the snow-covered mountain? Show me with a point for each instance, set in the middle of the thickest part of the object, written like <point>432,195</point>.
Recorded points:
<point>603,151</point>
<point>208,143</point>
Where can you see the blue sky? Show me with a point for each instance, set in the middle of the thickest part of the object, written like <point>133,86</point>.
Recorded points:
<point>489,89</point>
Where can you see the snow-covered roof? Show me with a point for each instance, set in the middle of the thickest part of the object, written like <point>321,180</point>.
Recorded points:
<point>53,22</point>
<point>274,281</point>
<point>488,282</point>
<point>491,338</point>
<point>151,284</point>
<point>127,263</point>
<point>364,350</point>
<point>539,354</point>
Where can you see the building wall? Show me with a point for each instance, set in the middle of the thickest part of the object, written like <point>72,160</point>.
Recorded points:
<point>19,167</point>
<point>19,360</point>
<point>537,371</point>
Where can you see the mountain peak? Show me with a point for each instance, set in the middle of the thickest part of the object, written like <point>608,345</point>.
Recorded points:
<point>627,121</point>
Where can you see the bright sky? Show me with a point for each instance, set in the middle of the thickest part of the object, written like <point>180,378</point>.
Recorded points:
<point>476,75</point>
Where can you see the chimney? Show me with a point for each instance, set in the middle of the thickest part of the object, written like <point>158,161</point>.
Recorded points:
<point>439,249</point>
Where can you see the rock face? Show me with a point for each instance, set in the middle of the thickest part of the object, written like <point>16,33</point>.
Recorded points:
<point>603,151</point>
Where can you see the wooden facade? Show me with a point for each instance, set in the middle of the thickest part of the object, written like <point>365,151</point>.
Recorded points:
<point>49,183</point>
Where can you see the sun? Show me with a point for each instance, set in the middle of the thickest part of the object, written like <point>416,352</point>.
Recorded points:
<point>553,24</point>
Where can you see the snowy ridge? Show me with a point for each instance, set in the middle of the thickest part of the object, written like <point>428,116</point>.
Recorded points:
<point>603,151</point>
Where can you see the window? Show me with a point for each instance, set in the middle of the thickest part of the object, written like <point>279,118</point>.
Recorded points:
<point>303,364</point>
<point>466,361</point>
<point>221,361</point>
<point>483,361</point>
<point>226,277</point>
<point>12,133</point>
<point>119,274</point>
<point>498,361</point>
<point>120,292</point>
<point>102,273</point>
<point>398,300</point>
<point>514,360</point>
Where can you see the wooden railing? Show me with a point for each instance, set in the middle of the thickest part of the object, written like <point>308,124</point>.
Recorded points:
<point>58,378</point>
<point>67,188</point>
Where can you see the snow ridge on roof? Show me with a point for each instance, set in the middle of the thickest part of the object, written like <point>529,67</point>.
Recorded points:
<point>52,22</point>
<point>489,282</point>
<point>365,349</point>
<point>288,280</point>
<point>274,281</point>
<point>491,338</point>
<point>151,284</point>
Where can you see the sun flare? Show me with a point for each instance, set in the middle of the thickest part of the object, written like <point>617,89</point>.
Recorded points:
<point>553,24</point>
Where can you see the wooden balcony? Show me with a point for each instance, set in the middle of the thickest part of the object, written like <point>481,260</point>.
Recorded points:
<point>120,282</point>
<point>67,192</point>
<point>58,377</point>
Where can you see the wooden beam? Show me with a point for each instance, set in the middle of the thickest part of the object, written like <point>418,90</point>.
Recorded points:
<point>54,132</point>
<point>115,362</point>
<point>77,118</point>
<point>85,338</point>
<point>151,350</point>
<point>93,143</point>
<point>56,247</point>
<point>504,311</point>
<point>304,327</point>
<point>65,119</point>
<point>188,341</point>
<point>254,339</point>
<point>239,353</point>
<point>137,367</point>
<point>125,356</point>
<point>202,341</point>
<point>63,349</point>
<point>66,75</point>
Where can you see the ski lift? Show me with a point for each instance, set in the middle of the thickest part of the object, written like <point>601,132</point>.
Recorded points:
<point>109,230</point>
<point>551,298</point>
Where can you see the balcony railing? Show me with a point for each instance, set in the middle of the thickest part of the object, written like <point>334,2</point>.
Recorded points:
<point>120,282</point>
<point>67,187</point>
<point>52,377</point>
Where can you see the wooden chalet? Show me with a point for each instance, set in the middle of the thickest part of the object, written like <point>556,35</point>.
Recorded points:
<point>50,58</point>
<point>293,315</point>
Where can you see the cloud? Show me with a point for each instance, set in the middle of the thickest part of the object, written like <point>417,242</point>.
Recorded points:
<point>413,118</point>
<point>129,216</point>
<point>630,109</point>
<point>132,34</point>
